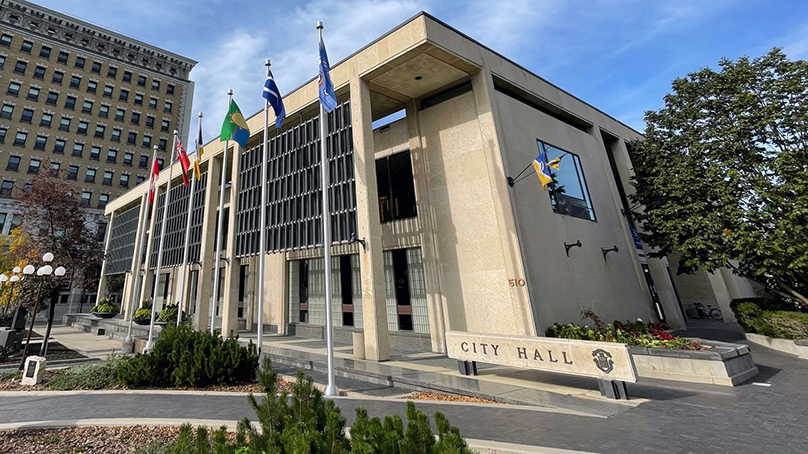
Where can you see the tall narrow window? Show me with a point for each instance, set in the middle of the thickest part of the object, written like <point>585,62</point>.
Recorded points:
<point>568,192</point>
<point>396,188</point>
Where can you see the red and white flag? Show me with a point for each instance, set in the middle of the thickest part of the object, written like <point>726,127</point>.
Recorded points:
<point>184,162</point>
<point>155,172</point>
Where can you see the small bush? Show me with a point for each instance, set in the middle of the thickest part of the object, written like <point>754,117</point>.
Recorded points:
<point>783,324</point>
<point>143,314</point>
<point>169,314</point>
<point>89,376</point>
<point>184,357</point>
<point>746,313</point>
<point>106,304</point>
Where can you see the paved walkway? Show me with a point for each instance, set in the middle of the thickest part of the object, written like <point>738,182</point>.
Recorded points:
<point>767,415</point>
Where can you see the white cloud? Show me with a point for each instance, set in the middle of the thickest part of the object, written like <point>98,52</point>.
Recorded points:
<point>796,44</point>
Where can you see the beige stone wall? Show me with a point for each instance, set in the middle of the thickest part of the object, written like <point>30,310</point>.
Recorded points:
<point>472,268</point>
<point>560,286</point>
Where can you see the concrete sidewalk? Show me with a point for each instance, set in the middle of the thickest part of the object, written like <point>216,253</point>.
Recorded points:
<point>89,345</point>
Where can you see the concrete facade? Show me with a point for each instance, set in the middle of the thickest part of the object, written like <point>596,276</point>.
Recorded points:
<point>479,255</point>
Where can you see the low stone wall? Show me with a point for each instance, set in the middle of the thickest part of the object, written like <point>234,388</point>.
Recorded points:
<point>723,364</point>
<point>795,347</point>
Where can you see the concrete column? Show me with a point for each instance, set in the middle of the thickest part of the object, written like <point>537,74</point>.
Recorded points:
<point>229,310</point>
<point>208,245</point>
<point>666,293</point>
<point>436,306</point>
<point>276,288</point>
<point>723,292</point>
<point>129,285</point>
<point>102,281</point>
<point>483,86</point>
<point>148,273</point>
<point>371,260</point>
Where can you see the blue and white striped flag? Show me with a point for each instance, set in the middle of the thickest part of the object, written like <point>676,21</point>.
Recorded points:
<point>273,95</point>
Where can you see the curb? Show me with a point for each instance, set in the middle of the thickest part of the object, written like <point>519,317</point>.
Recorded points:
<point>480,446</point>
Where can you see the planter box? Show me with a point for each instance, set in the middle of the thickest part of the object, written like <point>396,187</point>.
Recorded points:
<point>105,314</point>
<point>795,347</point>
<point>723,364</point>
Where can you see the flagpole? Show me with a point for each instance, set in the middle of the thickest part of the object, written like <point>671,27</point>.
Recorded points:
<point>187,239</point>
<point>150,342</point>
<point>262,242</point>
<point>219,229</point>
<point>331,388</point>
<point>136,288</point>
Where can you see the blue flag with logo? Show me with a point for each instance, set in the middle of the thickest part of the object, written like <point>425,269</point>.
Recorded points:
<point>328,98</point>
<point>273,95</point>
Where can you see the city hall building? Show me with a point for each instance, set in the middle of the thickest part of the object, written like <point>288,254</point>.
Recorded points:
<point>438,219</point>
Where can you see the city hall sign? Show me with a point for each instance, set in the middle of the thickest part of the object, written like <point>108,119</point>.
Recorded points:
<point>605,360</point>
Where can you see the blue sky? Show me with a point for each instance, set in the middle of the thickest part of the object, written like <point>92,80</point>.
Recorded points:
<point>618,55</point>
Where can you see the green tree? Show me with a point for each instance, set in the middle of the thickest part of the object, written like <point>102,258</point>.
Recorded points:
<point>53,221</point>
<point>722,174</point>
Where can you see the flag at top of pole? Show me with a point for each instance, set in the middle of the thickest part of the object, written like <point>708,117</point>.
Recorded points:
<point>155,172</point>
<point>235,126</point>
<point>328,99</point>
<point>198,150</point>
<point>273,95</point>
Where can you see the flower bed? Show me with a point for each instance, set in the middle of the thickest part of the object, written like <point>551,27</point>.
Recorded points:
<point>658,354</point>
<point>637,333</point>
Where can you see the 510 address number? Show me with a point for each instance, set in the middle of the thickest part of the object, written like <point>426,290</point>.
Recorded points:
<point>516,282</point>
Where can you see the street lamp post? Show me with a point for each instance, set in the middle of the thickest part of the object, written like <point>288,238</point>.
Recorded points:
<point>29,271</point>
<point>45,270</point>
<point>13,279</point>
<point>58,272</point>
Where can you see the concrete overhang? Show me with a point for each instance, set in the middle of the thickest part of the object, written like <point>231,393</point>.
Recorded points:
<point>414,74</point>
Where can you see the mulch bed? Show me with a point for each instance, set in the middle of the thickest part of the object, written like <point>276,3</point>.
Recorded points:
<point>86,440</point>
<point>447,398</point>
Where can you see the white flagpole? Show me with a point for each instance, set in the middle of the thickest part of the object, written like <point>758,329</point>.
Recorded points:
<point>219,229</point>
<point>136,288</point>
<point>331,388</point>
<point>187,239</point>
<point>150,342</point>
<point>262,224</point>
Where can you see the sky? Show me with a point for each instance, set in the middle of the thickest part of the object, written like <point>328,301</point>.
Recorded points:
<point>617,55</point>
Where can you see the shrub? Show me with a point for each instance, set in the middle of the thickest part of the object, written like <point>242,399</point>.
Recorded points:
<point>106,304</point>
<point>89,376</point>
<point>746,313</point>
<point>169,314</point>
<point>143,314</point>
<point>184,357</point>
<point>783,324</point>
<point>305,422</point>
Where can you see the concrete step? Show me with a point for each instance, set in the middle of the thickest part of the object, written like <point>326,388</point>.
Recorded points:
<point>114,328</point>
<point>97,330</point>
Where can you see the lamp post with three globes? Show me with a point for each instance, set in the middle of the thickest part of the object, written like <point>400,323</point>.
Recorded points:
<point>42,271</point>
